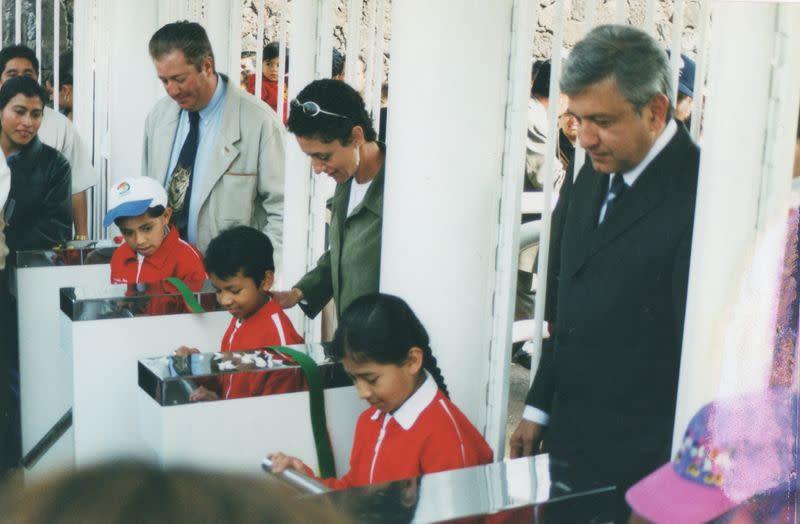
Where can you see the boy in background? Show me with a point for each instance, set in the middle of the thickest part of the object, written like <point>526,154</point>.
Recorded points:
<point>270,76</point>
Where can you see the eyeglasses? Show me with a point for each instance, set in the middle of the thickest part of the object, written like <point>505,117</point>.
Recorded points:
<point>312,109</point>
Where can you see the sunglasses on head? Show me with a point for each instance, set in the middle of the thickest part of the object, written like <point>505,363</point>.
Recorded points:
<point>312,109</point>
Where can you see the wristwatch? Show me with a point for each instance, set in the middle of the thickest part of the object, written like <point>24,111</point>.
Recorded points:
<point>81,237</point>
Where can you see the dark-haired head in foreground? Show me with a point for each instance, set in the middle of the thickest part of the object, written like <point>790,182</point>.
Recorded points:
<point>128,493</point>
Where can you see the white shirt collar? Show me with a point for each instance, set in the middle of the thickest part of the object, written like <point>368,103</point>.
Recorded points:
<point>407,414</point>
<point>660,143</point>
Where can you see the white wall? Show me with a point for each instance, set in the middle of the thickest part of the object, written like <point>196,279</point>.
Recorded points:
<point>446,135</point>
<point>745,168</point>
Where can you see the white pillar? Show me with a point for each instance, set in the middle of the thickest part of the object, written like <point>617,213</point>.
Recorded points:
<point>748,144</point>
<point>445,174</point>
<point>223,23</point>
<point>133,86</point>
<point>310,33</point>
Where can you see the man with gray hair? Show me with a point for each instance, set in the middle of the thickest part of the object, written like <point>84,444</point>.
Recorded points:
<point>603,399</point>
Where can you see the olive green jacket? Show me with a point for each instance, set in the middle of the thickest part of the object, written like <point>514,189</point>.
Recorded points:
<point>351,267</point>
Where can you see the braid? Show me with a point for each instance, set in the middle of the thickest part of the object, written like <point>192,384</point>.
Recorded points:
<point>430,364</point>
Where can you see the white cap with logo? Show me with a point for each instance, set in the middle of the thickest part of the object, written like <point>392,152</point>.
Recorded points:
<point>132,197</point>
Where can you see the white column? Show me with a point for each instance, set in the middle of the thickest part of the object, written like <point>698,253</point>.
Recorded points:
<point>444,179</point>
<point>303,221</point>
<point>133,86</point>
<point>748,144</point>
<point>224,34</point>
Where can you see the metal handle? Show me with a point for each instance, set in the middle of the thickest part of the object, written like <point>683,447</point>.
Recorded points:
<point>47,441</point>
<point>297,479</point>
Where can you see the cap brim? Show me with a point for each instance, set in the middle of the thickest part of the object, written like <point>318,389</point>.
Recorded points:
<point>127,209</point>
<point>664,497</point>
<point>685,90</point>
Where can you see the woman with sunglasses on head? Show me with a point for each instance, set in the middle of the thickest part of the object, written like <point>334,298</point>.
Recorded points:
<point>332,126</point>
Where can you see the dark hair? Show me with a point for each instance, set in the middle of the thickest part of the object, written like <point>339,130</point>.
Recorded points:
<point>337,97</point>
<point>540,80</point>
<point>240,248</point>
<point>636,62</point>
<point>152,212</point>
<point>21,85</point>
<point>185,36</point>
<point>337,67</point>
<point>272,50</point>
<point>65,68</point>
<point>126,492</point>
<point>18,51</point>
<point>382,328</point>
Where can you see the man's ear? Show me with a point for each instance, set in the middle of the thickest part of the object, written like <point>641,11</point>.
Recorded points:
<point>208,65</point>
<point>659,108</point>
<point>269,279</point>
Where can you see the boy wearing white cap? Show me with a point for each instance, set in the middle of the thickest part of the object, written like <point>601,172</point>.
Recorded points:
<point>152,250</point>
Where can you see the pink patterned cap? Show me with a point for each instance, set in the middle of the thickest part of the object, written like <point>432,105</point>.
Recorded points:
<point>733,449</point>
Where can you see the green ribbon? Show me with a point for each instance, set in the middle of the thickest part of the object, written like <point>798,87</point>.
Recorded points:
<point>187,294</point>
<point>316,401</point>
<point>316,398</point>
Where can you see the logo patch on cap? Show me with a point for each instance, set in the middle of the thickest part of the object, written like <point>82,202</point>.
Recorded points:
<point>123,188</point>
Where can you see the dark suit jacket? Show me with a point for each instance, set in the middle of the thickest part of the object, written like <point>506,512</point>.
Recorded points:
<point>616,298</point>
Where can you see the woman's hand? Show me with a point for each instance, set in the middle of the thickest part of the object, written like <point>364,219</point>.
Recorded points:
<point>202,393</point>
<point>185,351</point>
<point>288,299</point>
<point>281,463</point>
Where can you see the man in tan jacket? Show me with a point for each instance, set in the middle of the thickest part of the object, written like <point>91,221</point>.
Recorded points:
<point>218,150</point>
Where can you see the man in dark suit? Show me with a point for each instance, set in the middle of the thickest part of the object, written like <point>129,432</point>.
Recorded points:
<point>603,399</point>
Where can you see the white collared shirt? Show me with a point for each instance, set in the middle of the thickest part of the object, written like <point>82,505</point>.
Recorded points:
<point>407,414</point>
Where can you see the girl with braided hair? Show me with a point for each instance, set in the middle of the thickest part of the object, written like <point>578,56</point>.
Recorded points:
<point>411,427</point>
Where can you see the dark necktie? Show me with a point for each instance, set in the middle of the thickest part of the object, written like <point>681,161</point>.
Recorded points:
<point>615,192</point>
<point>180,185</point>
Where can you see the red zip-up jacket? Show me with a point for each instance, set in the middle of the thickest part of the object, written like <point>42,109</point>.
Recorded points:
<point>428,433</point>
<point>173,258</point>
<point>269,326</point>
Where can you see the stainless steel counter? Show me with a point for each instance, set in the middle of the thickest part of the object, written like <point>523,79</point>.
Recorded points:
<point>528,489</point>
<point>74,253</point>
<point>170,380</point>
<point>105,301</point>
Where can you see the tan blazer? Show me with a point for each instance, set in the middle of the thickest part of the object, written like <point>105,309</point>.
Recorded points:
<point>245,179</point>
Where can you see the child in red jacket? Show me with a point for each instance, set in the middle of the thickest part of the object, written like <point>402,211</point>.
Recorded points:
<point>270,74</point>
<point>240,265</point>
<point>412,427</point>
<point>152,250</point>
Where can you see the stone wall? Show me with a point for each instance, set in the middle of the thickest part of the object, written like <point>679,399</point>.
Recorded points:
<point>605,12</point>
<point>573,29</point>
